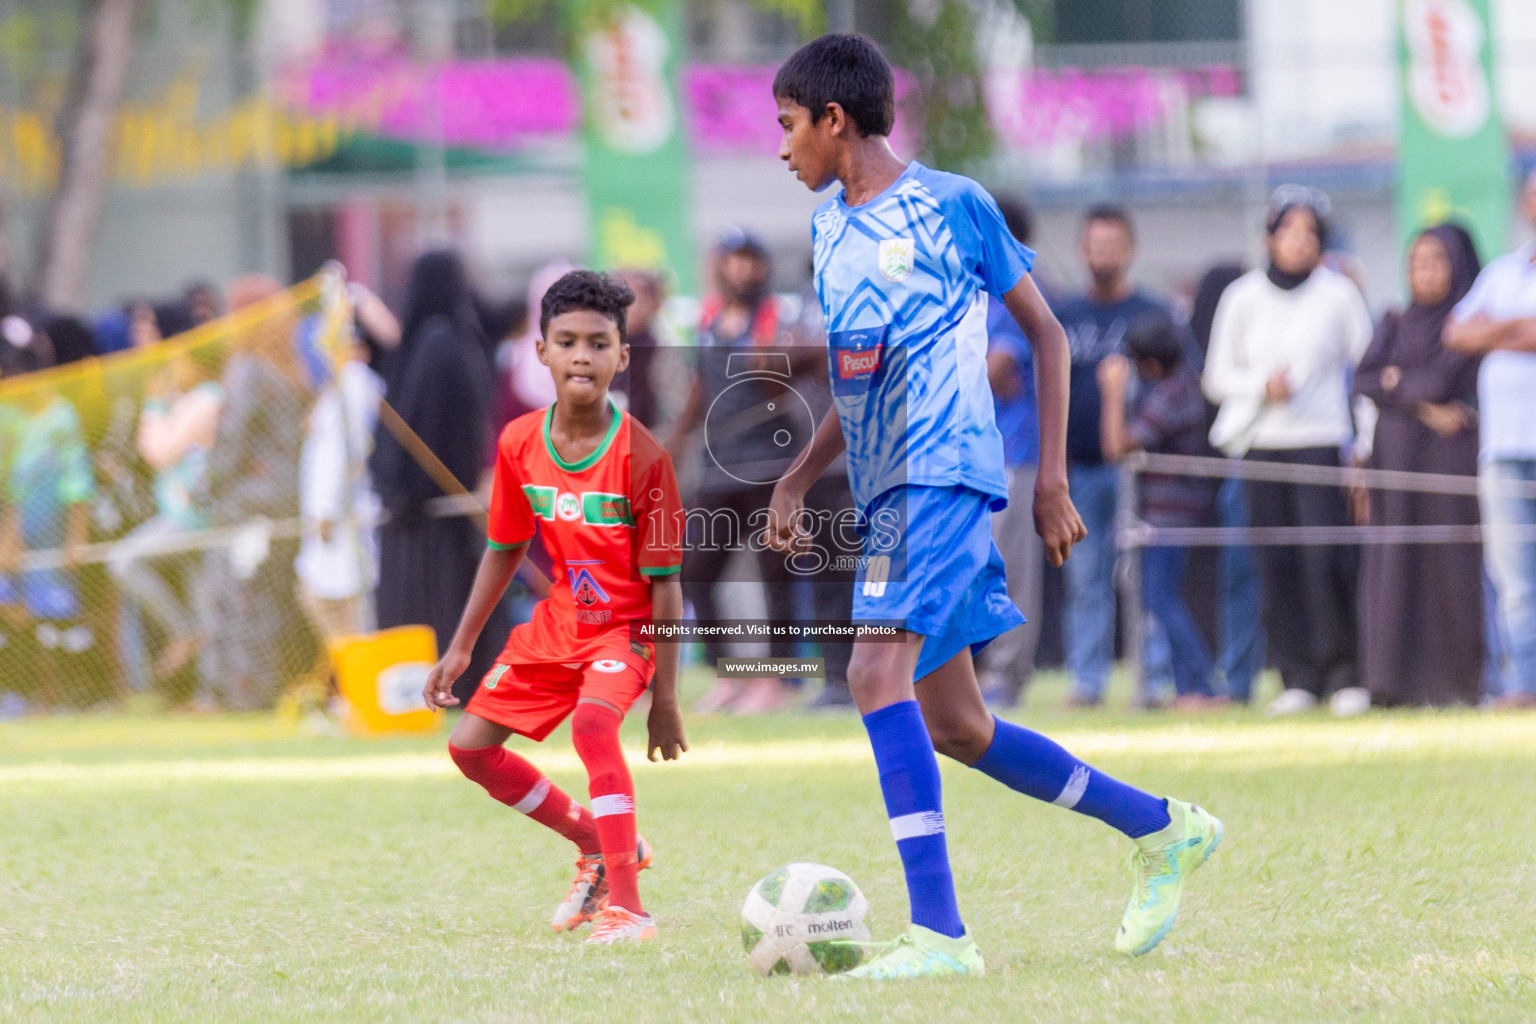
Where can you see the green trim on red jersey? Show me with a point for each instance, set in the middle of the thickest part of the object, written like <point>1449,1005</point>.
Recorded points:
<point>597,453</point>
<point>498,546</point>
<point>660,570</point>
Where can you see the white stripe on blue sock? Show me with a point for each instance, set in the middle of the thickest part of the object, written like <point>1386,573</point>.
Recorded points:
<point>1073,791</point>
<point>923,823</point>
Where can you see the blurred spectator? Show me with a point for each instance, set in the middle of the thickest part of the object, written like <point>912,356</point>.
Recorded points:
<point>202,301</point>
<point>1282,345</point>
<point>1421,604</point>
<point>338,556</point>
<point>21,349</point>
<point>637,383</point>
<point>442,390</point>
<point>45,470</point>
<point>743,459</point>
<point>72,339</point>
<point>176,431</point>
<point>143,326</point>
<point>172,318</point>
<point>1008,663</point>
<point>113,331</point>
<point>1497,320</point>
<point>1239,605</point>
<point>1096,322</point>
<point>241,593</point>
<point>522,383</point>
<point>1169,418</point>
<point>377,327</point>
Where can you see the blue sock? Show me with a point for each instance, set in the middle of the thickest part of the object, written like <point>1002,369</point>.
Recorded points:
<point>909,779</point>
<point>1024,760</point>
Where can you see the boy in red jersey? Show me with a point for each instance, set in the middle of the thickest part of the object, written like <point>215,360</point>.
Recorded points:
<point>603,492</point>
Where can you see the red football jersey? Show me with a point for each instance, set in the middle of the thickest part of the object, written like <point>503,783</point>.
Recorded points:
<point>611,523</point>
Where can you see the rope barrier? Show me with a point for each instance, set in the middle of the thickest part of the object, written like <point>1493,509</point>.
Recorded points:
<point>1142,535</point>
<point>1343,476</point>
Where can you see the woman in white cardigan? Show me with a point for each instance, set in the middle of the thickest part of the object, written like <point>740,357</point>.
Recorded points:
<point>1282,345</point>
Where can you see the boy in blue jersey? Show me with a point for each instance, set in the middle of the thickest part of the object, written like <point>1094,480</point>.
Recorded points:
<point>905,259</point>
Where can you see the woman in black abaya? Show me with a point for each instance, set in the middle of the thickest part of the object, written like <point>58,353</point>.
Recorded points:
<point>440,384</point>
<point>1421,604</point>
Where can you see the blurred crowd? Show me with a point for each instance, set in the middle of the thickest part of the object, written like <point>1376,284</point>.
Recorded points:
<point>1282,366</point>
<point>280,492</point>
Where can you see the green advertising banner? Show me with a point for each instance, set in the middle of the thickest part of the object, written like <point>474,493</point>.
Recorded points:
<point>1453,161</point>
<point>637,166</point>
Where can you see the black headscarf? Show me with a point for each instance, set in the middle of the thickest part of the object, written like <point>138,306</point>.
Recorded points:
<point>1411,340</point>
<point>1465,265</point>
<point>439,383</point>
<point>439,288</point>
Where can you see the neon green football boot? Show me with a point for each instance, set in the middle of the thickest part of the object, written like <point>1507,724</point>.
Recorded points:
<point>1161,863</point>
<point>921,953</point>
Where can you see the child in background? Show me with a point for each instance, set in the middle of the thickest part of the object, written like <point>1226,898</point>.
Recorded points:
<point>1167,417</point>
<point>46,488</point>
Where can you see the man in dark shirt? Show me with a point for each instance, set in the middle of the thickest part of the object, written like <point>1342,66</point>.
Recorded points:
<point>1168,418</point>
<point>753,425</point>
<point>1096,322</point>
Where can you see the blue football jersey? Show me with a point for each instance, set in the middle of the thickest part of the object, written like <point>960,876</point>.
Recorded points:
<point>903,282</point>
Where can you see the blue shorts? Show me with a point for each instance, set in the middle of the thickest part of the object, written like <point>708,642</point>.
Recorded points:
<point>930,567</point>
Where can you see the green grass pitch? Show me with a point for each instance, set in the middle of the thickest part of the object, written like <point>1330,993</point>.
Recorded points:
<point>1380,869</point>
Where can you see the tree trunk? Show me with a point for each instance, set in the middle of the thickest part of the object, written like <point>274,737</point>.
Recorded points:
<point>67,241</point>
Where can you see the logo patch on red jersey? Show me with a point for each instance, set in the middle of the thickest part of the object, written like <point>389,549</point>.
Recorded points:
<point>568,507</point>
<point>860,363</point>
<point>541,500</point>
<point>599,508</point>
<point>585,588</point>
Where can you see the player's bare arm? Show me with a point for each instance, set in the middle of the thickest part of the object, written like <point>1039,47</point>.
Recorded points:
<point>1056,519</point>
<point>665,724</point>
<point>789,493</point>
<point>497,567</point>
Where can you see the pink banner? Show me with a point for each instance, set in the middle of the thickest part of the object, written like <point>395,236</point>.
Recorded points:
<point>494,105</point>
<point>500,105</point>
<point>1041,107</point>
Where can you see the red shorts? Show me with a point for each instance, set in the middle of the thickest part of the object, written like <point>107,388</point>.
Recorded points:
<point>532,700</point>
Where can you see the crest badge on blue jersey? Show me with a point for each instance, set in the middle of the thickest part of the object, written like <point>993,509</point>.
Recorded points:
<point>897,257</point>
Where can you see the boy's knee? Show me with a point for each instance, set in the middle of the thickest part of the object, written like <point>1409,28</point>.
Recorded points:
<point>474,762</point>
<point>861,675</point>
<point>592,720</point>
<point>874,675</point>
<point>963,738</point>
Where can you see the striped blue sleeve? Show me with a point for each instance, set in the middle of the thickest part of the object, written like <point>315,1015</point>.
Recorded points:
<point>994,255</point>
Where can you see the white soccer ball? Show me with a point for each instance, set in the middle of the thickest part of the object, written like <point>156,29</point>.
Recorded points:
<point>805,919</point>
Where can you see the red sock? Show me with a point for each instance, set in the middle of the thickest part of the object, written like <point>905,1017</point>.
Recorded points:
<point>595,731</point>
<point>518,784</point>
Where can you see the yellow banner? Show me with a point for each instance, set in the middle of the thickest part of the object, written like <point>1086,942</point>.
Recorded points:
<point>164,141</point>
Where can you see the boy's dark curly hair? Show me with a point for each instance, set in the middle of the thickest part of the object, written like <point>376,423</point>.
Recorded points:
<point>587,289</point>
